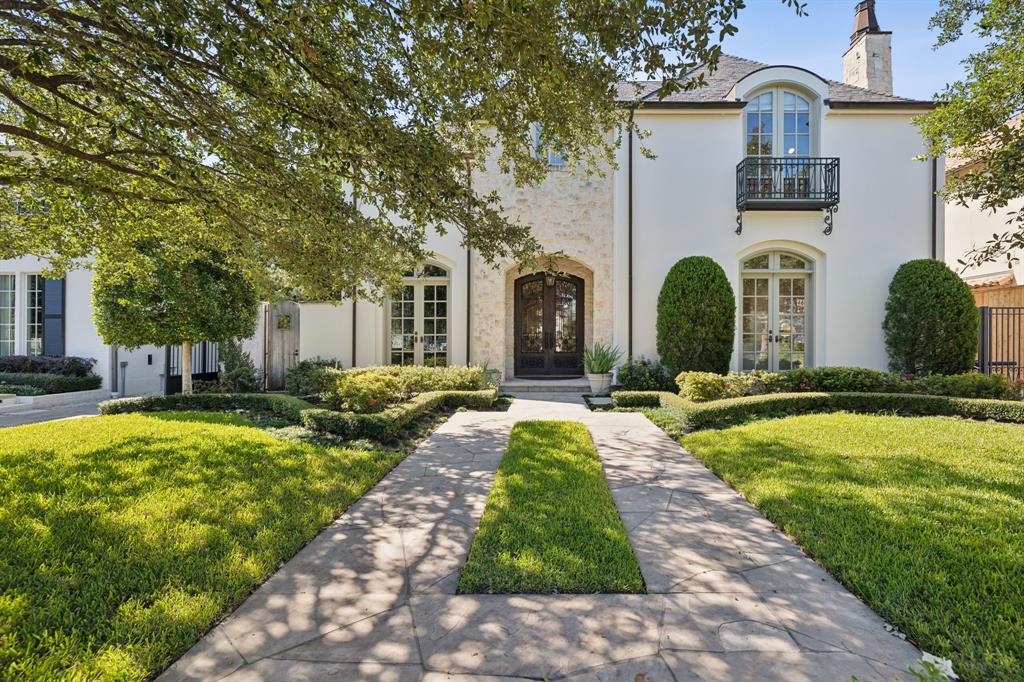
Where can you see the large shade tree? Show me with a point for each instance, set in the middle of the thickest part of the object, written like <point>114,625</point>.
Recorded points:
<point>167,294</point>
<point>980,117</point>
<point>321,138</point>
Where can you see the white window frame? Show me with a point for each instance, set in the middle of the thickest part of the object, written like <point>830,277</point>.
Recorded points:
<point>773,273</point>
<point>545,152</point>
<point>16,317</point>
<point>25,317</point>
<point>418,280</point>
<point>778,91</point>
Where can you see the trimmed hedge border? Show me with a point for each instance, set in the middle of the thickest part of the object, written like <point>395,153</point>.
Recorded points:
<point>283,406</point>
<point>51,383</point>
<point>696,416</point>
<point>383,425</point>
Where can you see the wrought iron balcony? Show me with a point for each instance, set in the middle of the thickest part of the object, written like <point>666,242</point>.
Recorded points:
<point>787,183</point>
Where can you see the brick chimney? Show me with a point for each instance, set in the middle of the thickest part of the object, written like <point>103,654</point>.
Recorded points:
<point>868,61</point>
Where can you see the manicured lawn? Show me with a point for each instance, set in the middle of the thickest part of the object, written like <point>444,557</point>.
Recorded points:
<point>551,524</point>
<point>124,538</point>
<point>923,518</point>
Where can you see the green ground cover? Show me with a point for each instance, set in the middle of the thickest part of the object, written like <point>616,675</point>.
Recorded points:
<point>923,518</point>
<point>124,538</point>
<point>551,525</point>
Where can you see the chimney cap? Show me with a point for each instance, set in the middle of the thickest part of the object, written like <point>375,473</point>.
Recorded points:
<point>864,19</point>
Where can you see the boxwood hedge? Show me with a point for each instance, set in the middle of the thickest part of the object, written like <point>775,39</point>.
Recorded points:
<point>384,425</point>
<point>283,406</point>
<point>52,383</point>
<point>695,416</point>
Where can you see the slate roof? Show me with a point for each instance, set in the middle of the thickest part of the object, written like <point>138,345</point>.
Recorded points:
<point>732,69</point>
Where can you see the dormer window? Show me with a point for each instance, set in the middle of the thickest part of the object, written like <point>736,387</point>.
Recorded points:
<point>778,123</point>
<point>545,152</point>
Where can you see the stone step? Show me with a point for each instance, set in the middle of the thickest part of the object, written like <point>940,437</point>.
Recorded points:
<point>7,398</point>
<point>545,386</point>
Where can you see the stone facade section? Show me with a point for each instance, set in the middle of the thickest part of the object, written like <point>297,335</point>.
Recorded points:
<point>570,214</point>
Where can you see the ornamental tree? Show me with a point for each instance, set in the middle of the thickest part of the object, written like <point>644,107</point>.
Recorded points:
<point>169,295</point>
<point>321,138</point>
<point>696,317</point>
<point>931,322</point>
<point>980,118</point>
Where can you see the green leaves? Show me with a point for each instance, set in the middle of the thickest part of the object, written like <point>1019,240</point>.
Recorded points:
<point>324,139</point>
<point>979,121</point>
<point>165,295</point>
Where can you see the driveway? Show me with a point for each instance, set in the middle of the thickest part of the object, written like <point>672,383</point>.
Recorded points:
<point>44,414</point>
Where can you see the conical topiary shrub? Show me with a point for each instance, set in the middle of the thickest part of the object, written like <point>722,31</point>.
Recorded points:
<point>696,317</point>
<point>931,321</point>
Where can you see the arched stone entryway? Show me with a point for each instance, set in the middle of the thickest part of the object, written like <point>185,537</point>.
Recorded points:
<point>549,315</point>
<point>562,307</point>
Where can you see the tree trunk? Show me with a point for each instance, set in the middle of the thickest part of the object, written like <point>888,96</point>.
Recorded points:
<point>186,367</point>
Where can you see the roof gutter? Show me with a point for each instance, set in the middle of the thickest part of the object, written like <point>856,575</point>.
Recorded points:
<point>900,105</point>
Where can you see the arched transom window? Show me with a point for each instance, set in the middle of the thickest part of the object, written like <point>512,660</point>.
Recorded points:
<point>775,311</point>
<point>778,123</point>
<point>419,318</point>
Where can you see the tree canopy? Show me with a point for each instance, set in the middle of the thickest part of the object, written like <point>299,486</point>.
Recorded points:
<point>169,295</point>
<point>979,119</point>
<point>321,138</point>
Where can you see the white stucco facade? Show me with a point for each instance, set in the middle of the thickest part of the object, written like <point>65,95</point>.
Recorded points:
<point>618,232</point>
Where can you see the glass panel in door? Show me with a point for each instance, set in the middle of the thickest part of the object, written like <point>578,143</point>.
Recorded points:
<point>403,326</point>
<point>435,325</point>
<point>791,337</point>
<point>755,334</point>
<point>565,317</point>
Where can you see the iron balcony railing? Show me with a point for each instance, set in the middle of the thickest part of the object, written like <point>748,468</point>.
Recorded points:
<point>786,183</point>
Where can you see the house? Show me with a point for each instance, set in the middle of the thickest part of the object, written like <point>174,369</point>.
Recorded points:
<point>805,190</point>
<point>996,283</point>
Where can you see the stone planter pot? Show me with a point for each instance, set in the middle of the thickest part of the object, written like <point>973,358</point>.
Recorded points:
<point>600,383</point>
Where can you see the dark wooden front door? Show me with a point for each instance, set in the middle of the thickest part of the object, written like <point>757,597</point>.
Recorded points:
<point>549,326</point>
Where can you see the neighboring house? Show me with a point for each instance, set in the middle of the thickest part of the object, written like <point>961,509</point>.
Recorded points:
<point>995,283</point>
<point>805,190</point>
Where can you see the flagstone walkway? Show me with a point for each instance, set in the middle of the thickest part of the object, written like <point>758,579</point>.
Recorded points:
<point>373,596</point>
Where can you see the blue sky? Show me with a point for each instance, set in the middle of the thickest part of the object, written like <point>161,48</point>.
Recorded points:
<point>771,32</point>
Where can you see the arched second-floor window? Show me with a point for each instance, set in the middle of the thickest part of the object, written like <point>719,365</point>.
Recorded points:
<point>779,122</point>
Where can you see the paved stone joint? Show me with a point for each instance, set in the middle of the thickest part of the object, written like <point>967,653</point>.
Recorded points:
<point>373,596</point>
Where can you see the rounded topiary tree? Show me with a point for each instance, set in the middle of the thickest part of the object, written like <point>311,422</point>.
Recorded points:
<point>931,321</point>
<point>696,317</point>
<point>153,293</point>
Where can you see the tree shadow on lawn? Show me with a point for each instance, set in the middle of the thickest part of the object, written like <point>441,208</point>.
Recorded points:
<point>123,539</point>
<point>936,548</point>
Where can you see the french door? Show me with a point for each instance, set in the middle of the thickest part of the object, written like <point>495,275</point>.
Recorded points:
<point>774,327</point>
<point>419,324</point>
<point>549,326</point>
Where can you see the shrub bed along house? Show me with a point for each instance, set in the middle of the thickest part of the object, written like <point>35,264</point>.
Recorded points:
<point>46,364</point>
<point>693,415</point>
<point>705,386</point>
<point>50,383</point>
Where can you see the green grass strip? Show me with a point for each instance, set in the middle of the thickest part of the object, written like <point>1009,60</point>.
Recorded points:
<point>124,538</point>
<point>551,525</point>
<point>921,517</point>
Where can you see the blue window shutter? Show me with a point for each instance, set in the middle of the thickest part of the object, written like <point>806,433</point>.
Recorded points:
<point>53,316</point>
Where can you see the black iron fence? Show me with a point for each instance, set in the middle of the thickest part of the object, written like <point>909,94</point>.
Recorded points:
<point>1001,342</point>
<point>205,365</point>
